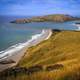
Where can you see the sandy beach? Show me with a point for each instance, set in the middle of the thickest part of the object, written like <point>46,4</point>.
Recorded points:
<point>17,52</point>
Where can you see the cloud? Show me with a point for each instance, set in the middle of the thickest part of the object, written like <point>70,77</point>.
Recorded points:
<point>31,7</point>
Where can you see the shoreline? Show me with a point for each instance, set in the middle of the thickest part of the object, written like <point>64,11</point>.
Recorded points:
<point>78,26</point>
<point>17,52</point>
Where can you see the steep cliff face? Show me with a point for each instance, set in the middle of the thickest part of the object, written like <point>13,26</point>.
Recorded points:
<point>52,18</point>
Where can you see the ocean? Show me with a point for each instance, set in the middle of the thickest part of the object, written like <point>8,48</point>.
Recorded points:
<point>12,34</point>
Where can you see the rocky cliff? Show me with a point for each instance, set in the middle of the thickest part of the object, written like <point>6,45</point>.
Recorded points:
<point>47,18</point>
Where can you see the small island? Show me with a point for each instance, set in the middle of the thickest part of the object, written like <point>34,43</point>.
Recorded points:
<point>47,18</point>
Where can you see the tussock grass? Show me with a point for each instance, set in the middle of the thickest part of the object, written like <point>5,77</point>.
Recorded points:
<point>61,48</point>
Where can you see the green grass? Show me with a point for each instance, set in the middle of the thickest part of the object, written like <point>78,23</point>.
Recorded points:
<point>61,48</point>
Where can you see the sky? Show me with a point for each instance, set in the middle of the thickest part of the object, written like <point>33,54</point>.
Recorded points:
<point>39,7</point>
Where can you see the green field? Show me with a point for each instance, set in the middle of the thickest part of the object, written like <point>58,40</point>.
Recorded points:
<point>59,57</point>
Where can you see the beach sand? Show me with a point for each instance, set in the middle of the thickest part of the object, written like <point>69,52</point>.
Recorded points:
<point>18,52</point>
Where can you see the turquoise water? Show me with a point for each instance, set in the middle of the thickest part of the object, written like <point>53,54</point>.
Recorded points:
<point>11,34</point>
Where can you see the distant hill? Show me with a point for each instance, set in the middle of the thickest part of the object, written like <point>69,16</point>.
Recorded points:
<point>51,18</point>
<point>57,58</point>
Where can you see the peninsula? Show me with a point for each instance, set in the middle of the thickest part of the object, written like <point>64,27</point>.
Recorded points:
<point>47,18</point>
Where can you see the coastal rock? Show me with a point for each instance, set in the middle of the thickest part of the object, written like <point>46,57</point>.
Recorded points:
<point>7,62</point>
<point>51,18</point>
<point>21,21</point>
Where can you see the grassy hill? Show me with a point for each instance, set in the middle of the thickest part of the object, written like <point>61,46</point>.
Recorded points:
<point>47,18</point>
<point>58,58</point>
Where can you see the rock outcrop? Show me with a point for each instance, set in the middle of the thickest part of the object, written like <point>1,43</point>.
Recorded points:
<point>48,18</point>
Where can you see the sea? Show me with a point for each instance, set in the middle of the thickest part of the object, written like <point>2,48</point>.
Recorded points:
<point>12,34</point>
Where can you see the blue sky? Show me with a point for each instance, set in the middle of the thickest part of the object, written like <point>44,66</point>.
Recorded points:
<point>39,7</point>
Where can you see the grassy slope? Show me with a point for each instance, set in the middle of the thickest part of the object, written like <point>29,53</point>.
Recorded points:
<point>62,48</point>
<point>45,18</point>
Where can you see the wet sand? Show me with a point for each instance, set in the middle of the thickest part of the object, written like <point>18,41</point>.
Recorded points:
<point>18,52</point>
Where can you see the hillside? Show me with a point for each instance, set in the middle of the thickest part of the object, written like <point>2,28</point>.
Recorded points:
<point>49,18</point>
<point>57,58</point>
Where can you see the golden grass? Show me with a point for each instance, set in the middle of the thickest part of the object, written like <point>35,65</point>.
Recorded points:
<point>61,48</point>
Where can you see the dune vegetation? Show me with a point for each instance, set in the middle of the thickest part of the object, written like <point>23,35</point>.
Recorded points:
<point>57,58</point>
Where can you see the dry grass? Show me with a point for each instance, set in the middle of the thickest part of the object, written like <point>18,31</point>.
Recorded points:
<point>62,48</point>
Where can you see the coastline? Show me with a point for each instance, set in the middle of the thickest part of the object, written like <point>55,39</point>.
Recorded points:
<point>46,18</point>
<point>16,53</point>
<point>78,26</point>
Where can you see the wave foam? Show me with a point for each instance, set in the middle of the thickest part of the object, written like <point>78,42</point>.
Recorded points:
<point>78,26</point>
<point>15,48</point>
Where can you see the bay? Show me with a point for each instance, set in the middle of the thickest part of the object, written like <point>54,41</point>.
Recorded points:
<point>11,34</point>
